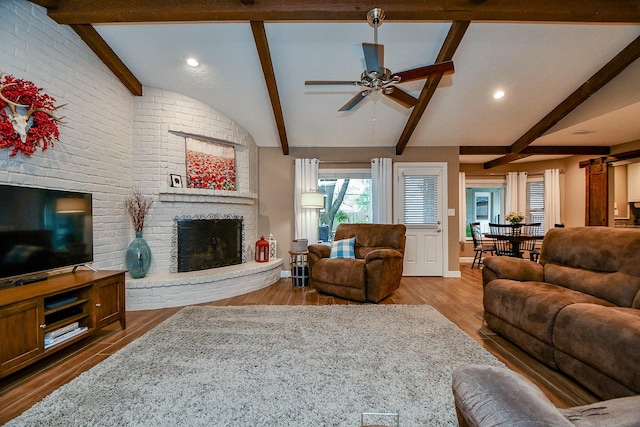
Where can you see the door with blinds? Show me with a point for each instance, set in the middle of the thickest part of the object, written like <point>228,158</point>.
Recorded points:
<point>420,206</point>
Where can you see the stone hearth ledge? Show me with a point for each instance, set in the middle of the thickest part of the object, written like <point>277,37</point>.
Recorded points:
<point>179,289</point>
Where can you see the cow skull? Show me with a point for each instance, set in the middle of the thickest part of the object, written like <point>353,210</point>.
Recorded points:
<point>20,122</point>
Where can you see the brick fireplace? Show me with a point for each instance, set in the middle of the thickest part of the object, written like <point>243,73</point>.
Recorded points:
<point>162,122</point>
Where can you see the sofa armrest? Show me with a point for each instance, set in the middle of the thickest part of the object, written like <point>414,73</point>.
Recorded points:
<point>486,396</point>
<point>382,254</point>
<point>317,252</point>
<point>500,267</point>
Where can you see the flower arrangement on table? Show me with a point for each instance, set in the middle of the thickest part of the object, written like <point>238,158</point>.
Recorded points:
<point>138,206</point>
<point>514,217</point>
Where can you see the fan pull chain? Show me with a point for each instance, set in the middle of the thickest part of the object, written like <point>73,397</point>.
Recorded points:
<point>375,105</point>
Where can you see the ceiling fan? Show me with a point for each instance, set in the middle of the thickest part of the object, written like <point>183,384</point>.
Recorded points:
<point>378,78</point>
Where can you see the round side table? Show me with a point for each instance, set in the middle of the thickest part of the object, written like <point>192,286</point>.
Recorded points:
<point>299,268</point>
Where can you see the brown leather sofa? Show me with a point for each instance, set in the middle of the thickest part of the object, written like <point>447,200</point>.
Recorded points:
<point>486,396</point>
<point>372,275</point>
<point>577,310</point>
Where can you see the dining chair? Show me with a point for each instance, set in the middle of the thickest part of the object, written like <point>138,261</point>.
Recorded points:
<point>503,236</point>
<point>529,245</point>
<point>479,246</point>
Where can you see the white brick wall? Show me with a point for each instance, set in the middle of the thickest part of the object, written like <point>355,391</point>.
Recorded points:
<point>94,151</point>
<point>161,118</point>
<point>113,141</point>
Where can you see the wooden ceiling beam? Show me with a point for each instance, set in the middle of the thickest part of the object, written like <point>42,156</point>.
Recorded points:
<point>607,73</point>
<point>100,11</point>
<point>633,154</point>
<point>49,4</point>
<point>536,150</point>
<point>97,44</point>
<point>262,44</point>
<point>449,47</point>
<point>613,158</point>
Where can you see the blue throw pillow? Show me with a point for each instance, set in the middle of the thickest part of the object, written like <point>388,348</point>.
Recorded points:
<point>343,248</point>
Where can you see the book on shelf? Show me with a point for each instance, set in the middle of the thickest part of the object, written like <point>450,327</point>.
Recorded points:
<point>53,341</point>
<point>61,331</point>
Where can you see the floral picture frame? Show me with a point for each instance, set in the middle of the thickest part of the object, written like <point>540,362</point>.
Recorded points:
<point>210,165</point>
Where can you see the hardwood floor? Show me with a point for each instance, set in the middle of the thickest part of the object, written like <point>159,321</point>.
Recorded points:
<point>459,299</point>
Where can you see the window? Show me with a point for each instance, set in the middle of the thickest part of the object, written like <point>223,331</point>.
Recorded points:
<point>535,201</point>
<point>481,206</point>
<point>486,201</point>
<point>420,200</point>
<point>348,199</point>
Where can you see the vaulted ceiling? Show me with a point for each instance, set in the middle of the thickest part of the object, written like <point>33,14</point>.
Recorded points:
<point>569,69</point>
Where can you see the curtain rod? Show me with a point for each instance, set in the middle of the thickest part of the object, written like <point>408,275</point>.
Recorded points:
<point>505,173</point>
<point>353,162</point>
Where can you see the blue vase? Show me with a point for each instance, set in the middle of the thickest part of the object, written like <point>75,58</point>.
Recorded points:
<point>138,257</point>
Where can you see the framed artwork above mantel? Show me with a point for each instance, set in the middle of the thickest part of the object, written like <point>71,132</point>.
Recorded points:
<point>210,164</point>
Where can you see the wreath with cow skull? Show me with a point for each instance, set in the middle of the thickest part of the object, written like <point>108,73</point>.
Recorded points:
<point>27,119</point>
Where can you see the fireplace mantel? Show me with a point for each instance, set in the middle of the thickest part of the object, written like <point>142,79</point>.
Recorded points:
<point>199,195</point>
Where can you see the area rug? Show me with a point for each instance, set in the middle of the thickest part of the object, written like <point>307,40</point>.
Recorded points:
<point>273,366</point>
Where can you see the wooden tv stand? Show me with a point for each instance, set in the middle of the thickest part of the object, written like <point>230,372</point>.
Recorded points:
<point>29,313</point>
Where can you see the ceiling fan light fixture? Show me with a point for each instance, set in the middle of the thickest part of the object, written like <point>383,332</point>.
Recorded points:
<point>375,16</point>
<point>377,79</point>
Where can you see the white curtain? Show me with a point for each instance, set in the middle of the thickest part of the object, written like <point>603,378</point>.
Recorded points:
<point>462,206</point>
<point>381,194</point>
<point>522,192</point>
<point>516,192</point>
<point>551,198</point>
<point>307,220</point>
<point>511,202</point>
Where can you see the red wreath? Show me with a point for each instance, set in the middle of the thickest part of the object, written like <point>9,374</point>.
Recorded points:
<point>26,116</point>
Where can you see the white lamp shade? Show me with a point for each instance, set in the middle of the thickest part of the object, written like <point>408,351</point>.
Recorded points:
<point>313,200</point>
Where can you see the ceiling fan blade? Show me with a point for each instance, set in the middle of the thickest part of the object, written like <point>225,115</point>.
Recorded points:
<point>330,82</point>
<point>354,101</point>
<point>400,96</point>
<point>424,72</point>
<point>374,57</point>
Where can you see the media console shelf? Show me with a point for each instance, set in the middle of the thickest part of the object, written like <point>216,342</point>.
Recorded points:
<point>41,318</point>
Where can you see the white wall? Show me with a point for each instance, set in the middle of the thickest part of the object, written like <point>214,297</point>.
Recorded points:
<point>94,151</point>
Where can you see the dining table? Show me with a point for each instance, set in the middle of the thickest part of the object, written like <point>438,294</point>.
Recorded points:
<point>510,240</point>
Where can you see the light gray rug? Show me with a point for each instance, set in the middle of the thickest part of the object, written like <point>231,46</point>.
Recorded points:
<point>273,366</point>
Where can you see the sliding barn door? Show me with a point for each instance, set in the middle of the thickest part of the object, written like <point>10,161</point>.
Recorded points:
<point>597,194</point>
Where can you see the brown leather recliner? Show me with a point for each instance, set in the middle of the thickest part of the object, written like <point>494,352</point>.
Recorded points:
<point>374,273</point>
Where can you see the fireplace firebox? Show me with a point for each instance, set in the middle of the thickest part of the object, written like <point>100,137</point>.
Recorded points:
<point>204,243</point>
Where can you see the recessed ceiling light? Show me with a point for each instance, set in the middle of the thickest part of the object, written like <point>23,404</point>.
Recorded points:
<point>498,94</point>
<point>192,62</point>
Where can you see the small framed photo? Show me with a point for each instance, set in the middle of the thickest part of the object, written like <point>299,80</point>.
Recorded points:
<point>176,180</point>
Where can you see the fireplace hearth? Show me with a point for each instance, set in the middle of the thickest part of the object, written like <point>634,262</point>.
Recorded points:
<point>202,243</point>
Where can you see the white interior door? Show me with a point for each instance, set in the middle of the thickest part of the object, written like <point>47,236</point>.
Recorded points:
<point>420,204</point>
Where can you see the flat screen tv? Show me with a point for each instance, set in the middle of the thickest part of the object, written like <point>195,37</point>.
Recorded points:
<point>42,229</point>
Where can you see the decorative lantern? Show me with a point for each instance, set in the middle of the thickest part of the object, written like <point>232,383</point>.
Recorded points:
<point>262,250</point>
<point>273,246</point>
